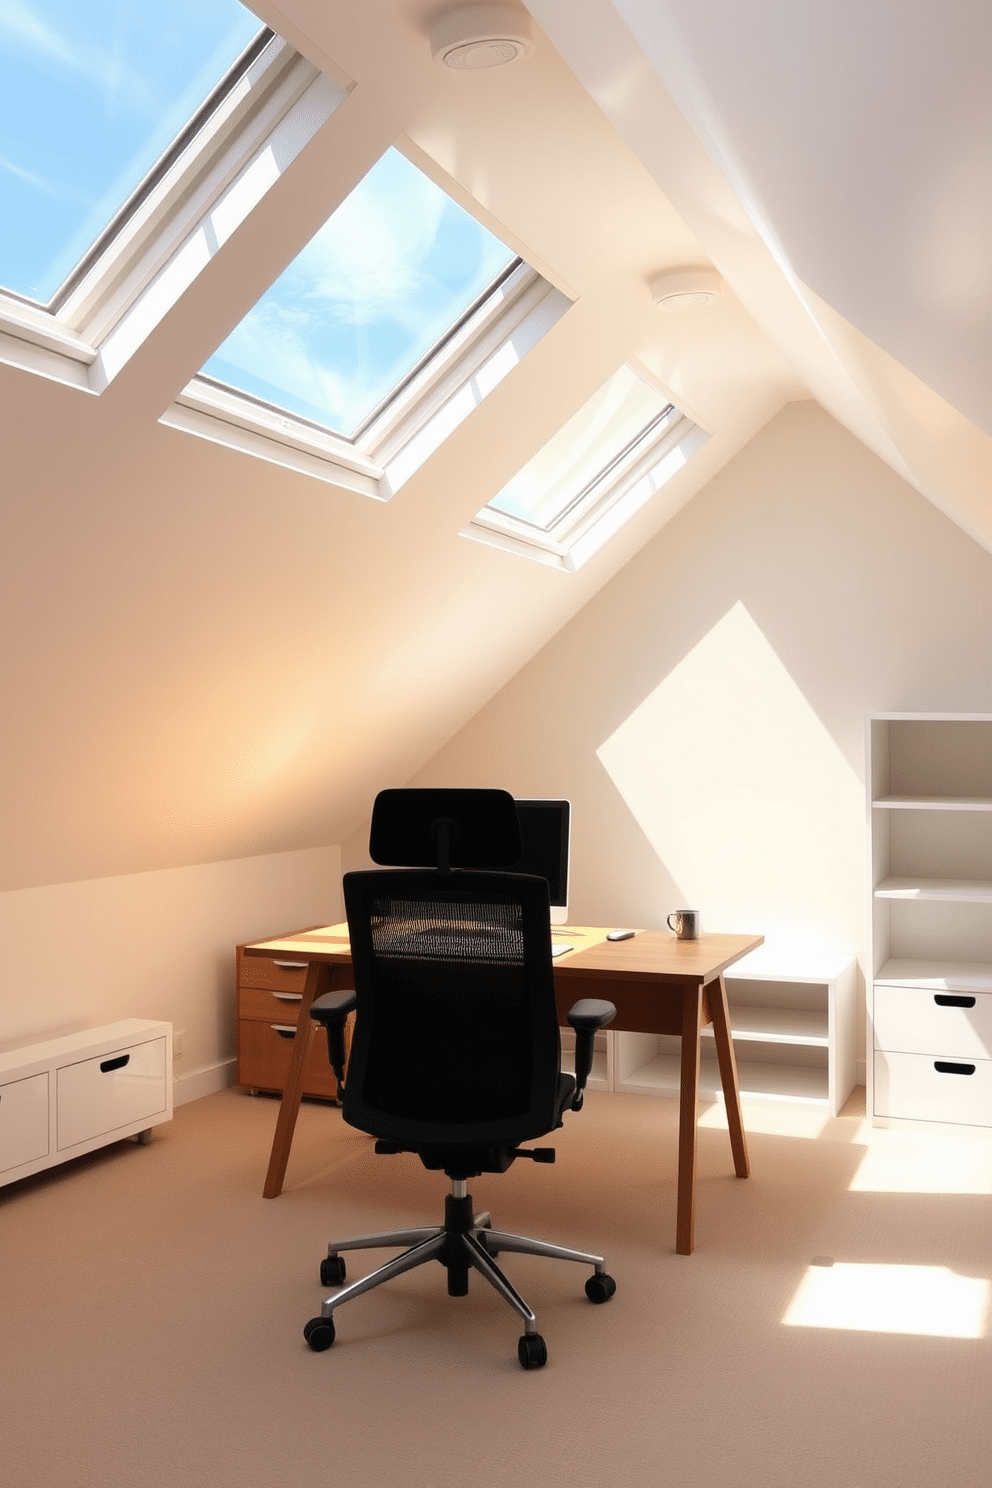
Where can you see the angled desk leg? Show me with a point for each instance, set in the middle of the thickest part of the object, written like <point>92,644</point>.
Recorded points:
<point>289,1106</point>
<point>716,993</point>
<point>685,1222</point>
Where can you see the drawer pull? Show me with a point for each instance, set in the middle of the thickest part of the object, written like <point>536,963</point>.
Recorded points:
<point>284,1030</point>
<point>288,996</point>
<point>951,999</point>
<point>945,1067</point>
<point>106,1065</point>
<point>291,965</point>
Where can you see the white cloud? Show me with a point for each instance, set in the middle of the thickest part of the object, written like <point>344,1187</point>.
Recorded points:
<point>121,85</point>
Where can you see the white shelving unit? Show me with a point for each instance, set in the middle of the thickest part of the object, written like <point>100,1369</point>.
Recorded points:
<point>794,1026</point>
<point>930,1008</point>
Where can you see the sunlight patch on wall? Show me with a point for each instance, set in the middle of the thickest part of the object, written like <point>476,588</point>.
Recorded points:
<point>928,1300</point>
<point>743,794</point>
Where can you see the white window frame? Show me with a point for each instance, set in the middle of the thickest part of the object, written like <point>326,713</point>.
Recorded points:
<point>412,422</point>
<point>607,502</point>
<point>175,222</point>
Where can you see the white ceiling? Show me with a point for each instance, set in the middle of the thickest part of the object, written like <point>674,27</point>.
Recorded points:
<point>207,656</point>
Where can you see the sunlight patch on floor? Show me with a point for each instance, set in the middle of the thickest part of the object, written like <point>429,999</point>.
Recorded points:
<point>924,1162</point>
<point>929,1300</point>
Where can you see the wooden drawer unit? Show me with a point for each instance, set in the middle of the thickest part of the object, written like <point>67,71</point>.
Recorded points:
<point>269,995</point>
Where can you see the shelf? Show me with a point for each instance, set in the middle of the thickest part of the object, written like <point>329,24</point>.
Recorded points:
<point>934,803</point>
<point>937,976</point>
<point>778,1025</point>
<point>959,890</point>
<point>660,1076</point>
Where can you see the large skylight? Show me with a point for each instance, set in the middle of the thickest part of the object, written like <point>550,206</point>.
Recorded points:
<point>91,95</point>
<point>392,271</point>
<point>622,445</point>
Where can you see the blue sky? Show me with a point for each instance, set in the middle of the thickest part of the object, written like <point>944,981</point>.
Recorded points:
<point>91,93</point>
<point>389,272</point>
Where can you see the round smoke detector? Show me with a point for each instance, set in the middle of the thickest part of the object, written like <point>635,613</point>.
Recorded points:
<point>677,287</point>
<point>475,38</point>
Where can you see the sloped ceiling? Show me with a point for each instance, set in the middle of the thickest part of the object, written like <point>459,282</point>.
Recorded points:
<point>206,656</point>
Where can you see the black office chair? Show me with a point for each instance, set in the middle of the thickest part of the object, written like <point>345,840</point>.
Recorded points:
<point>455,1054</point>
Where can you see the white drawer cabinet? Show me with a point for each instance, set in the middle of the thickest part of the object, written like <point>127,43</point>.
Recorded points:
<point>918,1087</point>
<point>23,1121</point>
<point>112,1090</point>
<point>930,1010</point>
<point>67,1096</point>
<point>917,1020</point>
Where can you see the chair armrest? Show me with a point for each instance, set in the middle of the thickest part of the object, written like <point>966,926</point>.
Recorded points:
<point>587,1016</point>
<point>334,1006</point>
<point>331,1009</point>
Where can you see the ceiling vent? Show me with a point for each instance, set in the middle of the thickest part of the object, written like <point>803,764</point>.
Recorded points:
<point>475,38</point>
<point>683,287</point>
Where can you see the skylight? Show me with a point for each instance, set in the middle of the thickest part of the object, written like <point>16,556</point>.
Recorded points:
<point>391,274</point>
<point>621,446</point>
<point>91,95</point>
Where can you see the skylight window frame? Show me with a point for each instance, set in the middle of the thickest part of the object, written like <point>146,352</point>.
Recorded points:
<point>213,173</point>
<point>193,134</point>
<point>606,502</point>
<point>503,322</point>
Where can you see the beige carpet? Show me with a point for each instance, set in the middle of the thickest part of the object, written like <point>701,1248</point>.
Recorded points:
<point>153,1304</point>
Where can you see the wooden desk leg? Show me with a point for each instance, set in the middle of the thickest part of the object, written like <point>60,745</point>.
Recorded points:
<point>685,1222</point>
<point>289,1106</point>
<point>716,993</point>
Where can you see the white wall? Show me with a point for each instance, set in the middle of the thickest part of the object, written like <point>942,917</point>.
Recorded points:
<point>705,712</point>
<point>154,945</point>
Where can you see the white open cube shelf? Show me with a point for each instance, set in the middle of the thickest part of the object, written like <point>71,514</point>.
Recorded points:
<point>793,1024</point>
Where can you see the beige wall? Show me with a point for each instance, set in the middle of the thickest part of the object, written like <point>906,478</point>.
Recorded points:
<point>154,945</point>
<point>705,712</point>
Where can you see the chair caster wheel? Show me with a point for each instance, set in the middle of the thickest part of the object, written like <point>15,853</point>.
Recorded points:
<point>332,1271</point>
<point>600,1288</point>
<point>532,1351</point>
<point>319,1333</point>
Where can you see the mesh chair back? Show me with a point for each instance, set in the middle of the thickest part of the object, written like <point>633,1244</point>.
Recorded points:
<point>456,1034</point>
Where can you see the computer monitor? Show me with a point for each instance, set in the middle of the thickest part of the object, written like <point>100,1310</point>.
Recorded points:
<point>544,831</point>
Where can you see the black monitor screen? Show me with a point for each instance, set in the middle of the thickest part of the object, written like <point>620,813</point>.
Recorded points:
<point>544,829</point>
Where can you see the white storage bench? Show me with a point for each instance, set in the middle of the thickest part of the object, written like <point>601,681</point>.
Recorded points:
<point>67,1096</point>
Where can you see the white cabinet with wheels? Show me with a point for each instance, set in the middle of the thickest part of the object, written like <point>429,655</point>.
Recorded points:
<point>67,1096</point>
<point>930,1009</point>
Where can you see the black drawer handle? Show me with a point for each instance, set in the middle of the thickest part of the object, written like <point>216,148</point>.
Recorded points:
<point>949,999</point>
<point>284,1030</point>
<point>945,1067</point>
<point>111,1064</point>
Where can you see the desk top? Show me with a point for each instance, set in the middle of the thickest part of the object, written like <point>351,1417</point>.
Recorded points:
<point>650,955</point>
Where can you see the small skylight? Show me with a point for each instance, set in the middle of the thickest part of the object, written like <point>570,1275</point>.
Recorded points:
<point>91,95</point>
<point>393,271</point>
<point>624,443</point>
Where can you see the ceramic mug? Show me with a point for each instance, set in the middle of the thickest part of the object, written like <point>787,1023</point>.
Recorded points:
<point>684,923</point>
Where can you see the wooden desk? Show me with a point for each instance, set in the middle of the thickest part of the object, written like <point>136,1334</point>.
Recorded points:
<point>659,985</point>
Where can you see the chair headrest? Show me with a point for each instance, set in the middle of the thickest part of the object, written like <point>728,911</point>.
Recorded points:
<point>445,828</point>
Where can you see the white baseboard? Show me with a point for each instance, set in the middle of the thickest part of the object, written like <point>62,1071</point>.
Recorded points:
<point>201,1082</point>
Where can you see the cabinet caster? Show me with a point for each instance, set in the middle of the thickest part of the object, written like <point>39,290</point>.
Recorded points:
<point>319,1333</point>
<point>332,1271</point>
<point>600,1287</point>
<point>532,1351</point>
